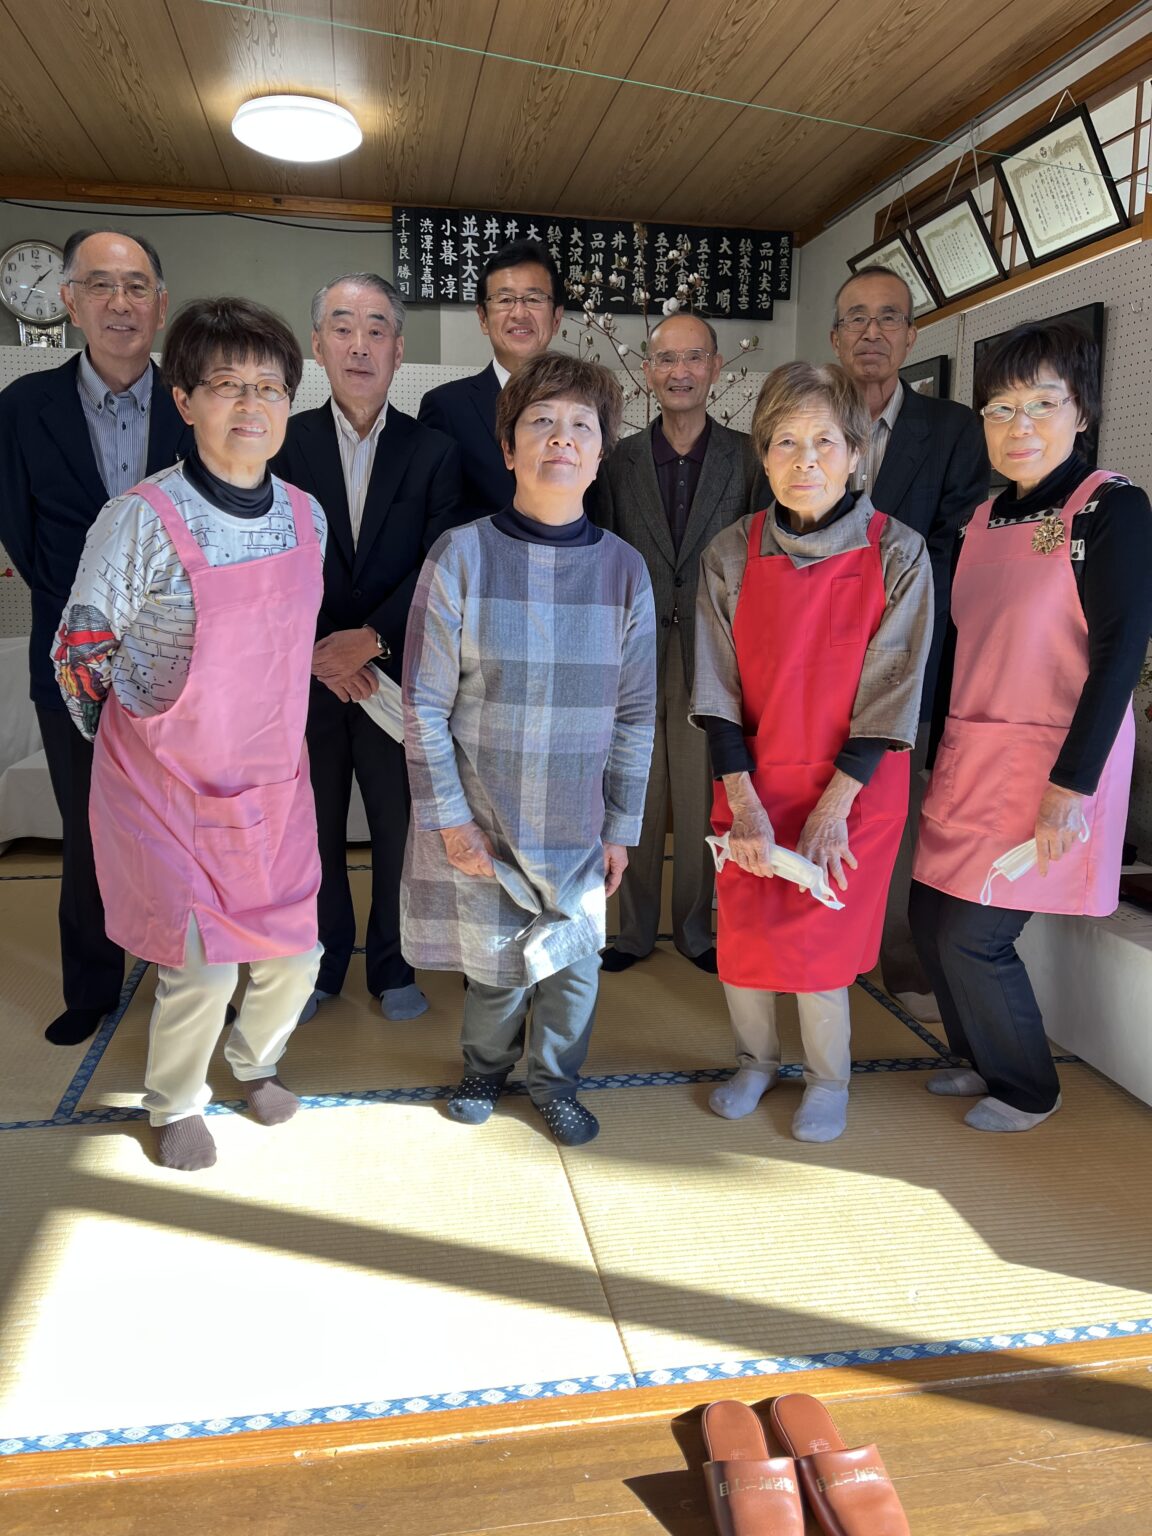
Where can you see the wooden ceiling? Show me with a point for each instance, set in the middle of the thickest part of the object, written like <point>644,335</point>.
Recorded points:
<point>143,92</point>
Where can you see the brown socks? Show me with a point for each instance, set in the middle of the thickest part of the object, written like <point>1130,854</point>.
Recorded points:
<point>185,1144</point>
<point>270,1101</point>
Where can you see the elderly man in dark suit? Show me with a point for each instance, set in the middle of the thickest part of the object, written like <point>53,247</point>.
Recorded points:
<point>70,440</point>
<point>520,310</point>
<point>668,491</point>
<point>389,488</point>
<point>926,464</point>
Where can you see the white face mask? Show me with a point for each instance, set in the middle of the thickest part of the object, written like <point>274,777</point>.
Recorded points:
<point>1015,863</point>
<point>789,866</point>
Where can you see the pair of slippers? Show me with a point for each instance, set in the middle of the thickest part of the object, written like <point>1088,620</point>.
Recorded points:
<point>753,1493</point>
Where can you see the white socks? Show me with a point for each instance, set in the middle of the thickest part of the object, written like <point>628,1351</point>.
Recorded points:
<point>957,1082</point>
<point>994,1115</point>
<point>822,1116</point>
<point>740,1095</point>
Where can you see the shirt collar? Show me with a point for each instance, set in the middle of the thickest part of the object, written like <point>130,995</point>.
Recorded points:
<point>890,412</point>
<point>663,451</point>
<point>98,392</point>
<point>346,429</point>
<point>501,373</point>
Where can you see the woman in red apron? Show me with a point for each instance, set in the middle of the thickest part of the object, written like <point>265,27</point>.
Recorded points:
<point>206,580</point>
<point>814,619</point>
<point>1052,605</point>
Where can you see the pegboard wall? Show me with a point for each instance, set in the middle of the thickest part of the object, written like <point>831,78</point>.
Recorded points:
<point>1122,281</point>
<point>408,389</point>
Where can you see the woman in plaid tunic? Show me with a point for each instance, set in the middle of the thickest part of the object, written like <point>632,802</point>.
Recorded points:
<point>529,699</point>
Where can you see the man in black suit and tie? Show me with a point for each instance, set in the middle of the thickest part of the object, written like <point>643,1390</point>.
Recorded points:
<point>520,310</point>
<point>927,465</point>
<point>70,440</point>
<point>668,491</point>
<point>389,488</point>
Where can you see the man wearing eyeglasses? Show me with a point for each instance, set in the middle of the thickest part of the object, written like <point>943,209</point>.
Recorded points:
<point>390,487</point>
<point>70,440</point>
<point>668,491</point>
<point>926,464</point>
<point>520,310</point>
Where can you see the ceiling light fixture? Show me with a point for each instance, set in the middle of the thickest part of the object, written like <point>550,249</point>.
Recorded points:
<point>296,128</point>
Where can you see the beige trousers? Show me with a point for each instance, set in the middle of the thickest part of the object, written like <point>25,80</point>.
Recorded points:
<point>189,1014</point>
<point>825,1030</point>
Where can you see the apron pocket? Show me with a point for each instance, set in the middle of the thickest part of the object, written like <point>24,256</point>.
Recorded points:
<point>989,776</point>
<point>846,614</point>
<point>236,839</point>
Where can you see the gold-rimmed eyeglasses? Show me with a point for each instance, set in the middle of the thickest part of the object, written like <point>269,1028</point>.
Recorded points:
<point>235,389</point>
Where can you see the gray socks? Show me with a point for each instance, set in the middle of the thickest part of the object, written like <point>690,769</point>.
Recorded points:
<point>403,1002</point>
<point>270,1101</point>
<point>185,1144</point>
<point>740,1095</point>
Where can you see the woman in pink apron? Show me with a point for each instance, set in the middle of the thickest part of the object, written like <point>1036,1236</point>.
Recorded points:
<point>813,624</point>
<point>1052,606</point>
<point>204,582</point>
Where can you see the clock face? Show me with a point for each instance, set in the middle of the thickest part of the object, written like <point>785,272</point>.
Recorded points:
<point>30,276</point>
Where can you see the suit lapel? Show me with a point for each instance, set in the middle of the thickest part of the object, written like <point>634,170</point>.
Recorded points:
<point>394,450</point>
<point>316,441</point>
<point>62,417</point>
<point>485,393</point>
<point>715,474</point>
<point>645,488</point>
<point>906,452</point>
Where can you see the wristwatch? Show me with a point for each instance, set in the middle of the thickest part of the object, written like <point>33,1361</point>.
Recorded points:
<point>382,645</point>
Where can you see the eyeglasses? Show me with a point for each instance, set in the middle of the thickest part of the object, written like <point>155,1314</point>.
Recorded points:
<point>1001,413</point>
<point>887,320</point>
<point>693,357</point>
<point>233,389</point>
<point>504,303</point>
<point>136,292</point>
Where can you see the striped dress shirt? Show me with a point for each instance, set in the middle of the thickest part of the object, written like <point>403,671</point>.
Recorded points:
<point>882,428</point>
<point>117,426</point>
<point>357,459</point>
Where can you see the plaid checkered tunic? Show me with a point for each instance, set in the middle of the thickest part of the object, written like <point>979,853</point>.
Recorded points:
<point>529,704</point>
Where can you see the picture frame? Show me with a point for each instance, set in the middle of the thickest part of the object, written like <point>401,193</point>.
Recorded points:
<point>1059,189</point>
<point>1091,318</point>
<point>897,255</point>
<point>957,249</point>
<point>932,377</point>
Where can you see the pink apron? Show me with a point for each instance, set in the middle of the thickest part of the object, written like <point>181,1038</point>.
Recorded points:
<point>800,637</point>
<point>1021,664</point>
<point>207,808</point>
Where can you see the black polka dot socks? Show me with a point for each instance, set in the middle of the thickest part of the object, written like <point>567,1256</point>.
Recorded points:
<point>570,1123</point>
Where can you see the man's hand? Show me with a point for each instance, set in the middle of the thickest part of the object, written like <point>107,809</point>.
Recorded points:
<point>350,690</point>
<point>339,655</point>
<point>1059,822</point>
<point>468,849</point>
<point>751,838</point>
<point>615,863</point>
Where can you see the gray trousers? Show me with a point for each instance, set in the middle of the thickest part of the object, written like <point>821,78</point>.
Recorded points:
<point>563,1012</point>
<point>680,772</point>
<point>900,964</point>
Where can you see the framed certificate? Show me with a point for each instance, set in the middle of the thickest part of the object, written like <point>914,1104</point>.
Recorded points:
<point>896,254</point>
<point>1059,188</point>
<point>957,249</point>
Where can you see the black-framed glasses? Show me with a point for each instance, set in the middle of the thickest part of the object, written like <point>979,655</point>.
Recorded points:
<point>504,303</point>
<point>1000,413</point>
<point>136,291</point>
<point>235,389</point>
<point>887,320</point>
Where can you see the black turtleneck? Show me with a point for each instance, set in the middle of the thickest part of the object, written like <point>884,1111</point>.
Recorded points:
<point>236,500</point>
<point>563,536</point>
<point>1110,551</point>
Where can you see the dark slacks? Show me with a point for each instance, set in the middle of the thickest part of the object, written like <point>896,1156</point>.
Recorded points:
<point>92,967</point>
<point>986,1000</point>
<point>343,741</point>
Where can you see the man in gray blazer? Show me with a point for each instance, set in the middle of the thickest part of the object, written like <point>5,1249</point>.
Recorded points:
<point>668,491</point>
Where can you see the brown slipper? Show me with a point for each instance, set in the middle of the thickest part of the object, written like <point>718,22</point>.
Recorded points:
<point>751,1492</point>
<point>849,1491</point>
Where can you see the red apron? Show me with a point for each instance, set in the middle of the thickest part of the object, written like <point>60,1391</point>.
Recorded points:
<point>207,808</point>
<point>800,636</point>
<point>1021,665</point>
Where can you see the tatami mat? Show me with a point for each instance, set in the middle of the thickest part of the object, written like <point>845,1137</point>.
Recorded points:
<point>31,858</point>
<point>719,1240</point>
<point>346,1257</point>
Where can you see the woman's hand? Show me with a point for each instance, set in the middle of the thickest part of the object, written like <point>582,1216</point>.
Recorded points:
<point>824,840</point>
<point>751,838</point>
<point>1059,823</point>
<point>615,863</point>
<point>468,849</point>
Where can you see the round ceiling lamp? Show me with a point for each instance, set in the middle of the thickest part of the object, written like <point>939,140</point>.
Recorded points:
<point>296,128</point>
